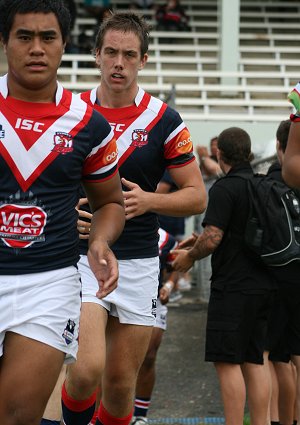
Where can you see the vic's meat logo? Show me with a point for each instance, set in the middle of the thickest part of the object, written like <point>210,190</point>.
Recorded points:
<point>139,138</point>
<point>21,226</point>
<point>63,143</point>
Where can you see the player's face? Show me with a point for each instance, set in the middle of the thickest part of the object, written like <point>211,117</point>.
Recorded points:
<point>120,61</point>
<point>34,51</point>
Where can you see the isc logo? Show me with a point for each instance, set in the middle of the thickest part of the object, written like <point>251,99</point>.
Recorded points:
<point>29,125</point>
<point>117,127</point>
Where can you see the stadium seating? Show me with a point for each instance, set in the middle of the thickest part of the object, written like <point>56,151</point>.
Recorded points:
<point>187,64</point>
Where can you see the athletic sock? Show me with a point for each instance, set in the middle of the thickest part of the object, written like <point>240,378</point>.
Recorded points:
<point>77,412</point>
<point>49,422</point>
<point>94,418</point>
<point>141,406</point>
<point>105,418</point>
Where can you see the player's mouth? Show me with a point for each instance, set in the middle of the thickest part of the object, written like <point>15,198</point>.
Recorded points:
<point>117,76</point>
<point>37,66</point>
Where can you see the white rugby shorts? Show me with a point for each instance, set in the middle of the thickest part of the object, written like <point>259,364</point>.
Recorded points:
<point>44,307</point>
<point>134,300</point>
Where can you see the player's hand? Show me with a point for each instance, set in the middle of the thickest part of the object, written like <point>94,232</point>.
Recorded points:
<point>135,199</point>
<point>188,242</point>
<point>202,151</point>
<point>104,265</point>
<point>182,262</point>
<point>83,226</point>
<point>164,293</point>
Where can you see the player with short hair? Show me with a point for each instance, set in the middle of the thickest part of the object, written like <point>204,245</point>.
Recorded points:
<point>50,143</point>
<point>151,137</point>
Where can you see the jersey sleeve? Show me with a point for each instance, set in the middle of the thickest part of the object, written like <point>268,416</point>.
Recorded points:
<point>178,146</point>
<point>102,161</point>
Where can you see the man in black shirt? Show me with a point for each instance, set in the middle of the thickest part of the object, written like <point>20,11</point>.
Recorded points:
<point>241,288</point>
<point>284,328</point>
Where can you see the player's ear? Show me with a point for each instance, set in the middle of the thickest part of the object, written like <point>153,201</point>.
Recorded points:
<point>97,58</point>
<point>143,61</point>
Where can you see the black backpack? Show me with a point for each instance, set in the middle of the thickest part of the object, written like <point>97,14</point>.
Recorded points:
<point>272,231</point>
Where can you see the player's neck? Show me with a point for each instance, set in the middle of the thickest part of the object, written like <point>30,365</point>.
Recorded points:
<point>37,95</point>
<point>111,99</point>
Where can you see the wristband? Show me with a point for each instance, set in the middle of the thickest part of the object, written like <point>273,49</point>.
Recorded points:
<point>295,117</point>
<point>169,285</point>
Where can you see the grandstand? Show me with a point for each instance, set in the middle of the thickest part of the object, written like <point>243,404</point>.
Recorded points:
<point>188,69</point>
<point>185,66</point>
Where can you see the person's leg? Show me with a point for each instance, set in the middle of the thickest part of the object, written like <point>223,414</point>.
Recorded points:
<point>53,408</point>
<point>296,361</point>
<point>146,377</point>
<point>273,411</point>
<point>233,392</point>
<point>128,333</point>
<point>29,370</point>
<point>83,377</point>
<point>126,349</point>
<point>258,386</point>
<point>287,392</point>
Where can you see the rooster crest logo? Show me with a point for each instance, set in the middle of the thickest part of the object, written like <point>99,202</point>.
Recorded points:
<point>139,138</point>
<point>63,143</point>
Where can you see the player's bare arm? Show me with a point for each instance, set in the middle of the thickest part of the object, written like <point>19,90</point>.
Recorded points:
<point>106,202</point>
<point>189,199</point>
<point>291,161</point>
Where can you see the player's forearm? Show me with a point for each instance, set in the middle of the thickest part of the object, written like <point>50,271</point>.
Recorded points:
<point>107,223</point>
<point>290,171</point>
<point>291,160</point>
<point>184,202</point>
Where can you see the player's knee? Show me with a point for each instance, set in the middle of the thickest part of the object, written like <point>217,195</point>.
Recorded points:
<point>149,360</point>
<point>85,379</point>
<point>20,415</point>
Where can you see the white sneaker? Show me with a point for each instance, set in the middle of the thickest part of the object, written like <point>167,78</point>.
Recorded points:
<point>175,296</point>
<point>184,285</point>
<point>139,420</point>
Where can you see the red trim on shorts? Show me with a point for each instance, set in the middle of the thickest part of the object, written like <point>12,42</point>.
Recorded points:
<point>77,405</point>
<point>107,419</point>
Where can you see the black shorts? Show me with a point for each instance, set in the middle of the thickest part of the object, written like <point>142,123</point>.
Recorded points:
<point>237,326</point>
<point>284,327</point>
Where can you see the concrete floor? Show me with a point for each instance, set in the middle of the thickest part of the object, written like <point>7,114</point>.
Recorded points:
<point>187,389</point>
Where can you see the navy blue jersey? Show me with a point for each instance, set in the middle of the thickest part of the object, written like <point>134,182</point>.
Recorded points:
<point>151,137</point>
<point>46,150</point>
<point>166,244</point>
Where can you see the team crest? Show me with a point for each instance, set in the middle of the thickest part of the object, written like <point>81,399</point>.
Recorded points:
<point>68,333</point>
<point>154,305</point>
<point>139,138</point>
<point>63,143</point>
